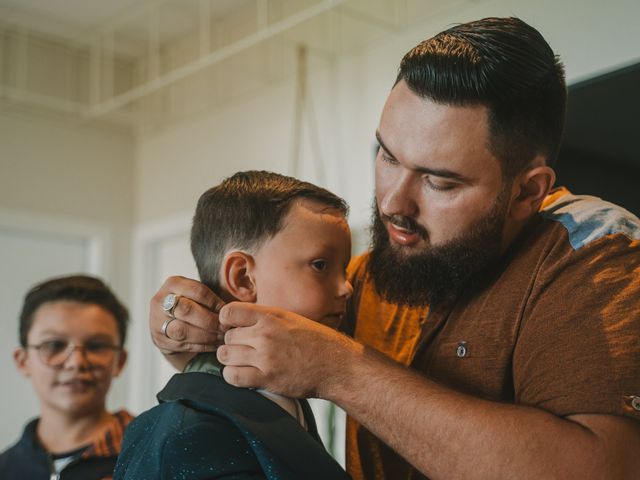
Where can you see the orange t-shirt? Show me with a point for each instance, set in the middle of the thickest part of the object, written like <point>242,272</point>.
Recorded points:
<point>555,324</point>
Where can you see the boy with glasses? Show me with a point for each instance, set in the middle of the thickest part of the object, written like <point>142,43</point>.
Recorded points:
<point>72,332</point>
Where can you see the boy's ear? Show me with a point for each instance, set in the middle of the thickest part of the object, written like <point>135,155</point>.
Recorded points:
<point>237,276</point>
<point>530,189</point>
<point>20,359</point>
<point>122,359</point>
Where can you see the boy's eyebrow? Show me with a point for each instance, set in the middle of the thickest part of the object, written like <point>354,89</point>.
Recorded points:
<point>63,334</point>
<point>436,172</point>
<point>52,332</point>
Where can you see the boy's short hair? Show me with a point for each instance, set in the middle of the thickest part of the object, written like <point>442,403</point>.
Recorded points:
<point>74,288</point>
<point>243,211</point>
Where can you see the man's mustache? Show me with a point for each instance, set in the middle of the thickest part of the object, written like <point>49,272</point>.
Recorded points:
<point>406,223</point>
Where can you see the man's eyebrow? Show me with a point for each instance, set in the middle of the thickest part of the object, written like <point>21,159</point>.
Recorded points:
<point>436,172</point>
<point>383,146</point>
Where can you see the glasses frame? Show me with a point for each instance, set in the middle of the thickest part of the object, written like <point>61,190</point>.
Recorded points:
<point>71,347</point>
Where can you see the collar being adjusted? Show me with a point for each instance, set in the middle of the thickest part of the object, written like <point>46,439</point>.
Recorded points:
<point>208,363</point>
<point>205,363</point>
<point>268,427</point>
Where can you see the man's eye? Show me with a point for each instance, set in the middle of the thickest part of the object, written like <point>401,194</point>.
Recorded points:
<point>319,265</point>
<point>439,186</point>
<point>54,346</point>
<point>387,159</point>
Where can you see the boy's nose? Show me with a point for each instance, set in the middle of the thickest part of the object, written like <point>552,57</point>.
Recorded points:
<point>346,289</point>
<point>77,358</point>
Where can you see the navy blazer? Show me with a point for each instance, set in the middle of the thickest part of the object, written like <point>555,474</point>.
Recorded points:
<point>205,428</point>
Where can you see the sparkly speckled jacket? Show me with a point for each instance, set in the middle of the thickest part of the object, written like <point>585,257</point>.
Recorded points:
<point>205,428</point>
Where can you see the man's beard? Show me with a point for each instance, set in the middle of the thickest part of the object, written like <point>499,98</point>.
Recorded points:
<point>436,273</point>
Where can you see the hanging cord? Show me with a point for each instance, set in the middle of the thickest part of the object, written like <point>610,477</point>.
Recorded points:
<point>304,105</point>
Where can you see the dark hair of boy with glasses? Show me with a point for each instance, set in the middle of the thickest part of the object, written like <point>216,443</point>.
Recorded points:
<point>72,331</point>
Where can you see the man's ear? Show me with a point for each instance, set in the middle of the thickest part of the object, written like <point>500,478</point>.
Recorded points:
<point>20,359</point>
<point>530,189</point>
<point>236,271</point>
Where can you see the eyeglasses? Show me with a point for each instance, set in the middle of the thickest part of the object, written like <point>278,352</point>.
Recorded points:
<point>55,353</point>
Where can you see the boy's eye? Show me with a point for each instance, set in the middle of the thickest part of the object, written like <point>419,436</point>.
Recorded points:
<point>319,265</point>
<point>53,347</point>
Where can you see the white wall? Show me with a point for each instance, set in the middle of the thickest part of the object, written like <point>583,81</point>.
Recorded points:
<point>92,172</point>
<point>82,171</point>
<point>177,163</point>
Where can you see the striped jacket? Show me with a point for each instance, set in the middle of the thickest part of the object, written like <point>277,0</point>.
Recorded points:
<point>28,459</point>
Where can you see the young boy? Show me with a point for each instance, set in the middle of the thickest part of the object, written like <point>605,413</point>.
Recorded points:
<point>273,240</point>
<point>72,331</point>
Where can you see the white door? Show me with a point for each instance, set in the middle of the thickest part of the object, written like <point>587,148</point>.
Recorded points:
<point>160,250</point>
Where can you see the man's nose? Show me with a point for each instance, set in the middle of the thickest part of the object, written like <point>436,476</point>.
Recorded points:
<point>399,199</point>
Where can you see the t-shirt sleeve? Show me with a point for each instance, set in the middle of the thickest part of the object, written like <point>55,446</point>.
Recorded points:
<point>578,349</point>
<point>356,272</point>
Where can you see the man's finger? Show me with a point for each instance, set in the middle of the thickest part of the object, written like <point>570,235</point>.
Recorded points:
<point>188,347</point>
<point>189,288</point>
<point>240,314</point>
<point>181,336</point>
<point>247,377</point>
<point>237,355</point>
<point>195,314</point>
<point>184,333</point>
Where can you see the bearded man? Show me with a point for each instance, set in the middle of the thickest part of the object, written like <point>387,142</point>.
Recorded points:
<point>494,330</point>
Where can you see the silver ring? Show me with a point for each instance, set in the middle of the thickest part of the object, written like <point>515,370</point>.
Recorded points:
<point>165,325</point>
<point>170,303</point>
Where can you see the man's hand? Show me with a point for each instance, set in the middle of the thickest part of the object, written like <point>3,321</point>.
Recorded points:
<point>443,433</point>
<point>195,328</point>
<point>283,352</point>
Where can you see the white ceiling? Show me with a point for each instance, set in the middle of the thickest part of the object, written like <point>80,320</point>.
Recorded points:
<point>82,14</point>
<point>117,52</point>
<point>79,21</point>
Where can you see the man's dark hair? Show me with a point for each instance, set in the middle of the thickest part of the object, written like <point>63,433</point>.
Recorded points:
<point>505,65</point>
<point>75,288</point>
<point>243,211</point>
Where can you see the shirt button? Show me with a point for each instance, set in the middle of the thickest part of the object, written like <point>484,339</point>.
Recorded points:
<point>635,403</point>
<point>461,352</point>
